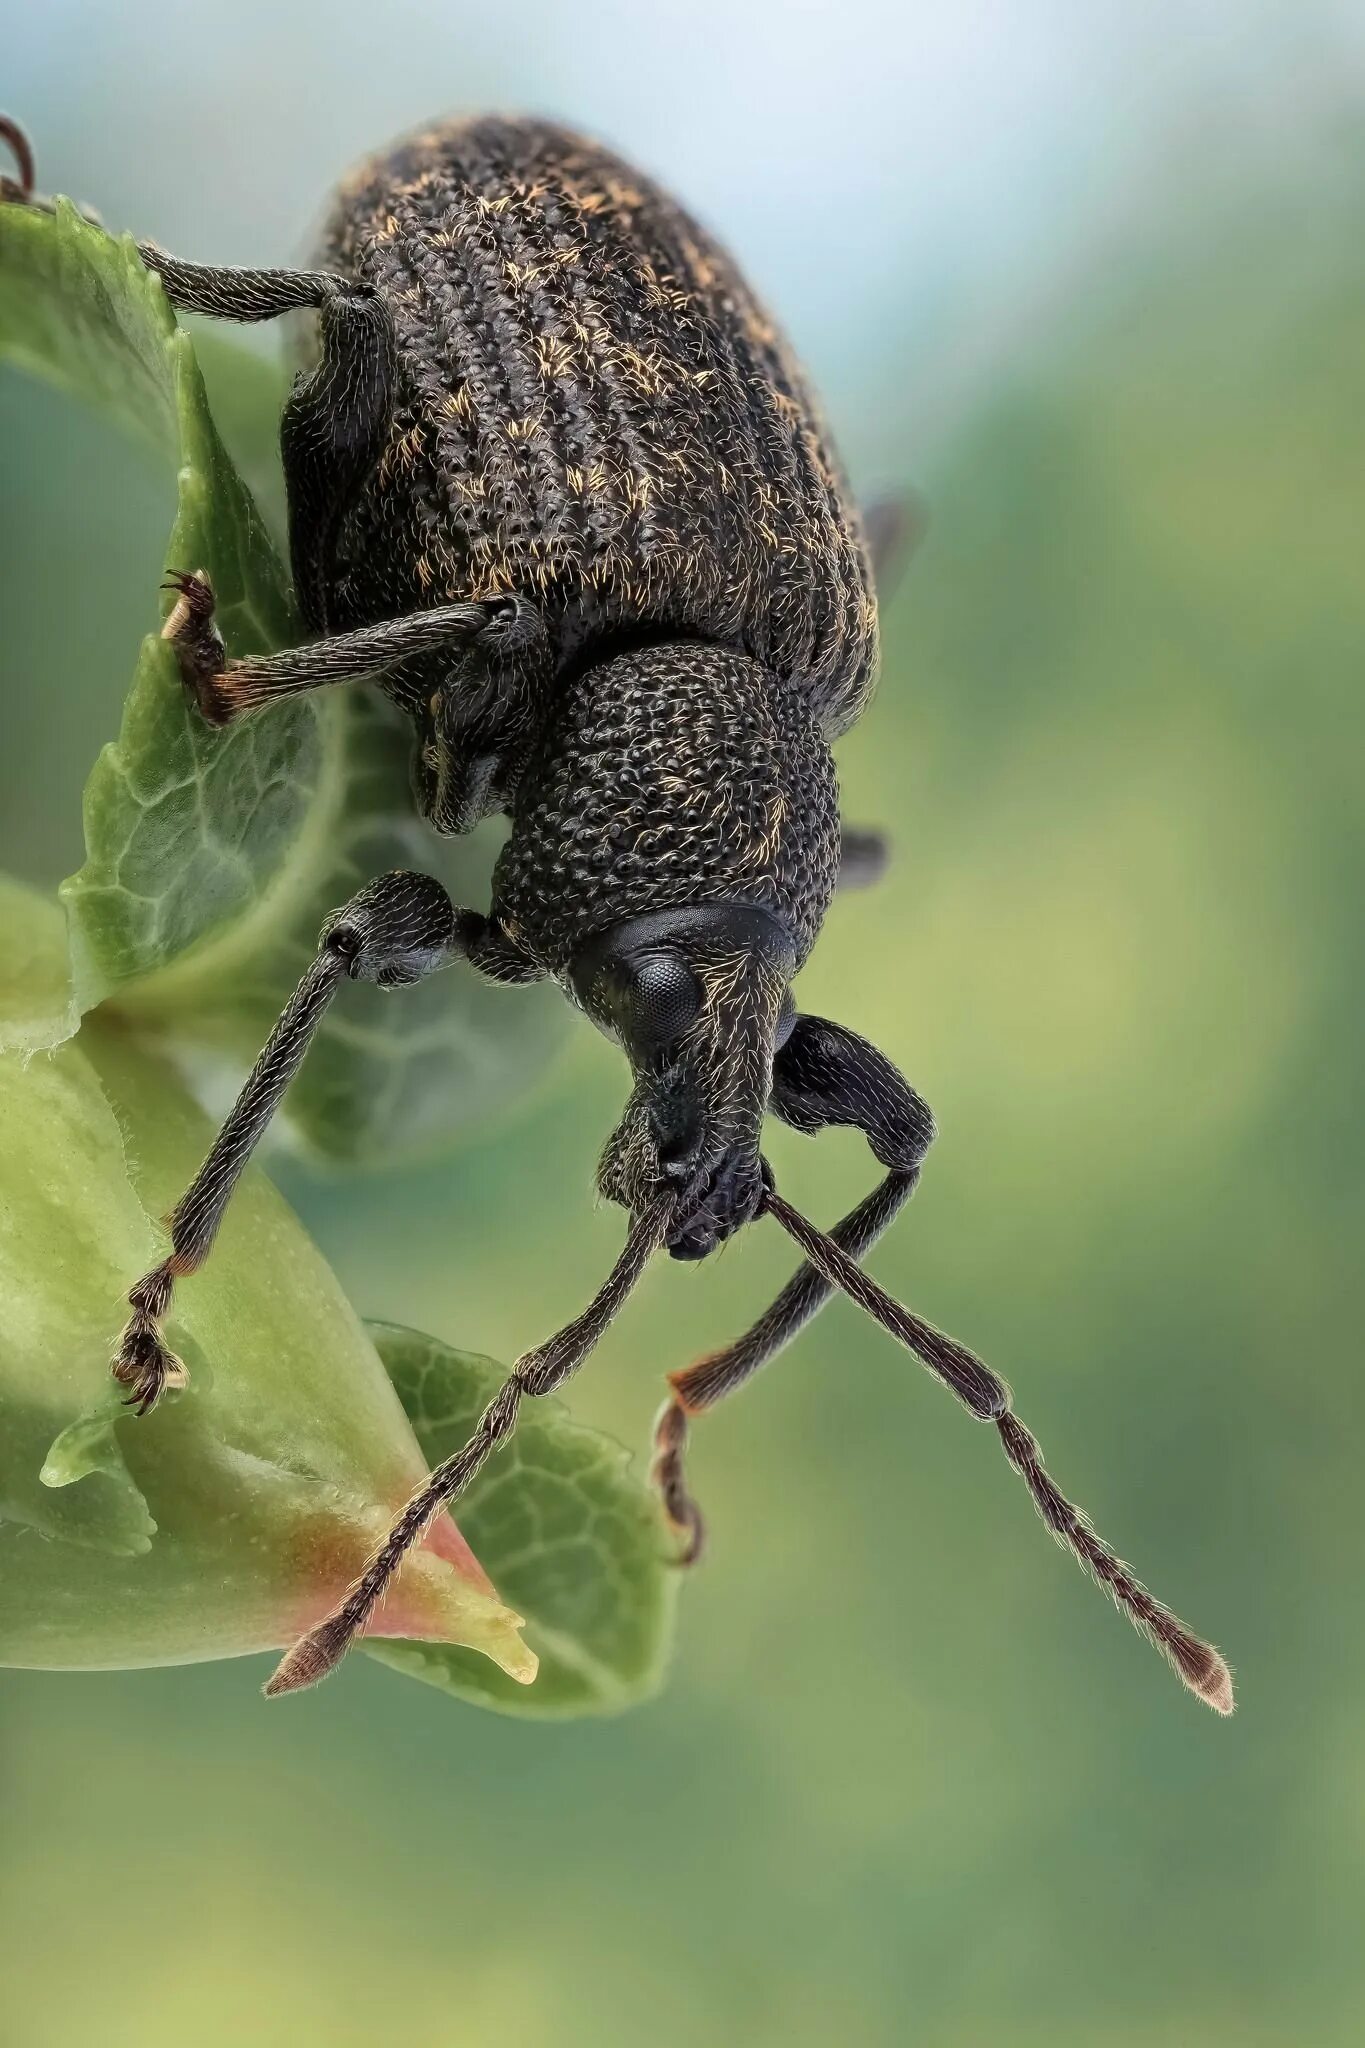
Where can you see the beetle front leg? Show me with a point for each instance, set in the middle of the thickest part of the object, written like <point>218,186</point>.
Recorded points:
<point>395,931</point>
<point>535,1373</point>
<point>823,1075</point>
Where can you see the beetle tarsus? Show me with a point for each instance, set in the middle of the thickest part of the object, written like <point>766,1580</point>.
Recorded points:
<point>198,644</point>
<point>667,1475</point>
<point>311,1658</point>
<point>144,1363</point>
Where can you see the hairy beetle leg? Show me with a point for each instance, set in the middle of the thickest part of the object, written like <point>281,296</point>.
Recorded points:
<point>395,931</point>
<point>225,690</point>
<point>535,1373</point>
<point>822,1075</point>
<point>143,1363</point>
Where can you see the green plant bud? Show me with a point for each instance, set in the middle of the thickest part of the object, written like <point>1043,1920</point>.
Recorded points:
<point>235,1515</point>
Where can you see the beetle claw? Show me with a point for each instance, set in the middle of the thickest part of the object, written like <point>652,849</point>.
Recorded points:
<point>692,1529</point>
<point>144,1364</point>
<point>666,1475</point>
<point>198,644</point>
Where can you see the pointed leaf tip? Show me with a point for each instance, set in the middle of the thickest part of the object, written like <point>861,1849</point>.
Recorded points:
<point>593,1581</point>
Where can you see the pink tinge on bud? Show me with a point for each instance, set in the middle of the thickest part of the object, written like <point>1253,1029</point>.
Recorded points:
<point>441,1594</point>
<point>444,1540</point>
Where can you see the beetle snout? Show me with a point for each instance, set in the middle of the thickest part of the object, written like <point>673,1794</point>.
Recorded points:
<point>719,1201</point>
<point>678,1137</point>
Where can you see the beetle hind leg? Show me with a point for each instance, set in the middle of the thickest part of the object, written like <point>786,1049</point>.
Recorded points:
<point>338,414</point>
<point>864,855</point>
<point>332,433</point>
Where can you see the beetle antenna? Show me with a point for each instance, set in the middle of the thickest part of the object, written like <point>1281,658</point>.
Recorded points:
<point>988,1397</point>
<point>536,1372</point>
<point>22,151</point>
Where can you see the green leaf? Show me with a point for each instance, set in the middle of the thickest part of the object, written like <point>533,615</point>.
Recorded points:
<point>569,1531</point>
<point>80,311</point>
<point>234,1516</point>
<point>247,389</point>
<point>36,1003</point>
<point>212,857</point>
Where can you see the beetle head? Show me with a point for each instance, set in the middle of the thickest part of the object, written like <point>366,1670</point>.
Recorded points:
<point>673,851</point>
<point>696,998</point>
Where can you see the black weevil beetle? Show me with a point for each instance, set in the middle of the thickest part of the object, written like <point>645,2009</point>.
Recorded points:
<point>557,486</point>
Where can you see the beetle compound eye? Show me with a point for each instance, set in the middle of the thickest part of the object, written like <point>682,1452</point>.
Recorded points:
<point>664,999</point>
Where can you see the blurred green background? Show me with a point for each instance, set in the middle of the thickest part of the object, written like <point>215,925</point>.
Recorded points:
<point>1092,279</point>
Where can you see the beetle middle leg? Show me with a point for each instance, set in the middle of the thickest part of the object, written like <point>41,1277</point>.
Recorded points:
<point>395,931</point>
<point>496,634</point>
<point>893,528</point>
<point>823,1074</point>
